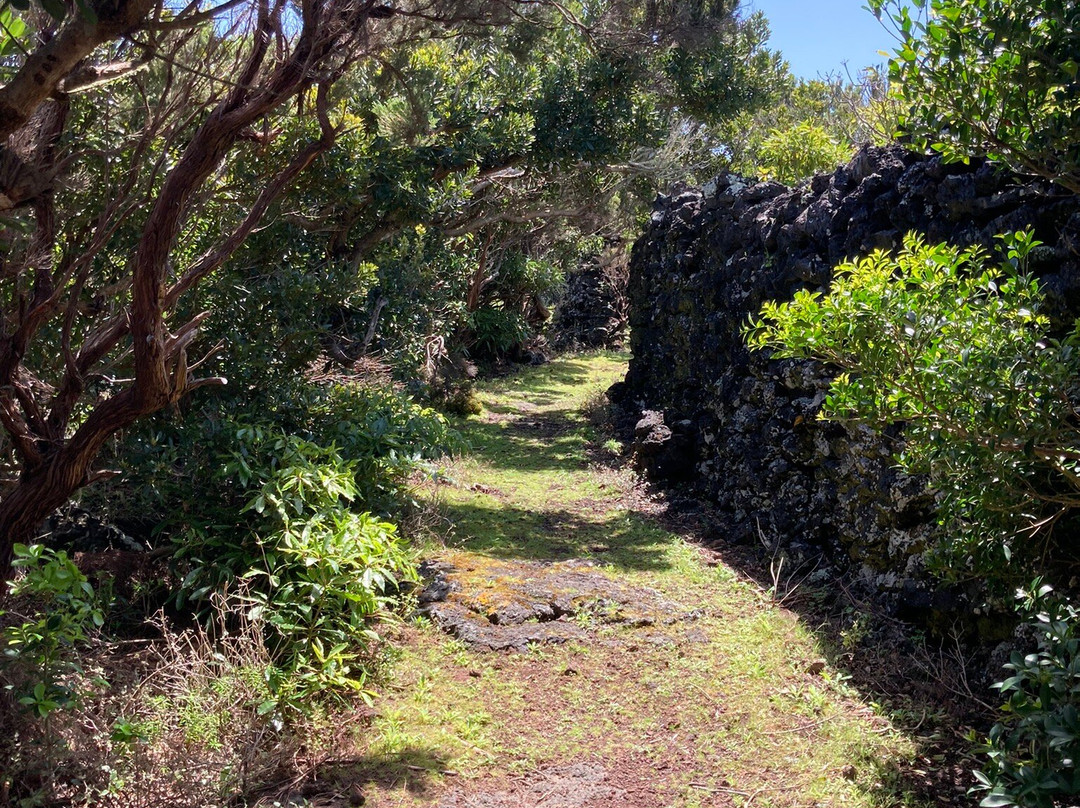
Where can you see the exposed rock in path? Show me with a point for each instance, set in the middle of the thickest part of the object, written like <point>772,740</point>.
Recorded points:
<point>508,605</point>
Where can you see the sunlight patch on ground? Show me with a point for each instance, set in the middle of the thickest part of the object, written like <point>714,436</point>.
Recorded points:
<point>736,706</point>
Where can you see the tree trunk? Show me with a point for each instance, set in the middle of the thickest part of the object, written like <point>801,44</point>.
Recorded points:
<point>51,483</point>
<point>22,512</point>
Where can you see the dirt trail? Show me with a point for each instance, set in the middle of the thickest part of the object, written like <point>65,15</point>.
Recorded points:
<point>577,653</point>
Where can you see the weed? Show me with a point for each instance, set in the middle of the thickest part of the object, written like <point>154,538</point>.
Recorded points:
<point>42,658</point>
<point>458,653</point>
<point>856,631</point>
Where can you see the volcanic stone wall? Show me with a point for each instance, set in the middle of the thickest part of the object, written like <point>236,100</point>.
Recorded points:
<point>742,427</point>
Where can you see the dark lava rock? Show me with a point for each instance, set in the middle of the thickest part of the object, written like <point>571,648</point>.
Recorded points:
<point>742,425</point>
<point>592,311</point>
<point>664,452</point>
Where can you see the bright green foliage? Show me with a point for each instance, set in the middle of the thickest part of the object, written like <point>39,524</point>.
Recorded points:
<point>12,29</point>
<point>837,115</point>
<point>312,569</point>
<point>39,652</point>
<point>956,350</point>
<point>994,77</point>
<point>1033,752</point>
<point>804,150</point>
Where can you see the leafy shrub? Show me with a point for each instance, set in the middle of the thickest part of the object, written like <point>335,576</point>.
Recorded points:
<point>794,154</point>
<point>313,570</point>
<point>958,353</point>
<point>178,463</point>
<point>39,649</point>
<point>41,663</point>
<point>934,339</point>
<point>384,433</point>
<point>496,330</point>
<point>274,507</point>
<point>1033,752</point>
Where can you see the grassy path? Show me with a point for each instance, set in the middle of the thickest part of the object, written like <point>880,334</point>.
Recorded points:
<point>736,707</point>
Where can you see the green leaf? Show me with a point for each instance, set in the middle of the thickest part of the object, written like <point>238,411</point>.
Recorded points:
<point>57,9</point>
<point>267,707</point>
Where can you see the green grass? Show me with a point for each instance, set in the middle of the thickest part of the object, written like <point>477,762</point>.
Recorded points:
<point>716,711</point>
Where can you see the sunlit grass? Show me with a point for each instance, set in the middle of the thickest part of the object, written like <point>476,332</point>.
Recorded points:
<point>731,708</point>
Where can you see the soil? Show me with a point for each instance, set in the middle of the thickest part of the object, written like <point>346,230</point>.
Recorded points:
<point>635,703</point>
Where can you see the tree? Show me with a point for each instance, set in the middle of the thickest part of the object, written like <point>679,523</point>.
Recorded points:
<point>812,127</point>
<point>121,206</point>
<point>999,78</point>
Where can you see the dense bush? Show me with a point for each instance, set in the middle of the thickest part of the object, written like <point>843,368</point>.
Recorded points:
<point>1033,753</point>
<point>311,568</point>
<point>812,127</point>
<point>182,462</point>
<point>937,339</point>
<point>274,507</point>
<point>452,297</point>
<point>790,155</point>
<point>954,348</point>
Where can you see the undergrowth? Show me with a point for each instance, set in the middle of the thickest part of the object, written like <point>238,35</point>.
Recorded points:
<point>286,568</point>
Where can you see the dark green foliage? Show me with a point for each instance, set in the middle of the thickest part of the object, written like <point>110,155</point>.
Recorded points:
<point>994,77</point>
<point>300,557</point>
<point>713,84</point>
<point>508,137</point>
<point>379,433</point>
<point>495,330</point>
<point>1033,752</point>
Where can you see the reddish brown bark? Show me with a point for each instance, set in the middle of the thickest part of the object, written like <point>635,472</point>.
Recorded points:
<point>54,466</point>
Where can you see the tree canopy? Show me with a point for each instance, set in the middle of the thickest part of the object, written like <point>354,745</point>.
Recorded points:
<point>991,77</point>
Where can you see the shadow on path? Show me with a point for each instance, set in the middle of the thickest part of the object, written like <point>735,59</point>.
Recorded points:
<point>619,538</point>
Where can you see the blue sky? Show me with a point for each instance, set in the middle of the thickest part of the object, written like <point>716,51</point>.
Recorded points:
<point>817,36</point>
